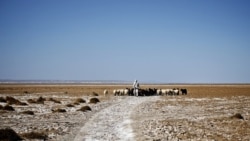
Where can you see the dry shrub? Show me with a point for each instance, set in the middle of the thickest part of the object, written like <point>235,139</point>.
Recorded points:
<point>40,100</point>
<point>9,134</point>
<point>80,100</point>
<point>59,111</point>
<point>76,103</point>
<point>8,108</point>
<point>11,100</point>
<point>94,100</point>
<point>84,109</point>
<point>237,116</point>
<point>31,101</point>
<point>28,112</point>
<point>95,94</point>
<point>54,100</point>
<point>2,100</point>
<point>70,105</point>
<point>35,135</point>
<point>25,92</point>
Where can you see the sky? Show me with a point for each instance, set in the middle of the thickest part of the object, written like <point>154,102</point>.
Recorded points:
<point>170,41</point>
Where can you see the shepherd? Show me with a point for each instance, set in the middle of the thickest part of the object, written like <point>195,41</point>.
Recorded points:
<point>136,86</point>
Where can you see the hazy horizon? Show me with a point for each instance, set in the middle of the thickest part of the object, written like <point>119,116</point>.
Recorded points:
<point>194,41</point>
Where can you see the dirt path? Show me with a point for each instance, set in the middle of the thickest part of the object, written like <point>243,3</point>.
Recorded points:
<point>114,122</point>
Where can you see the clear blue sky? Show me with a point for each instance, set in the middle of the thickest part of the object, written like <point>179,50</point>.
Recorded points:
<point>183,41</point>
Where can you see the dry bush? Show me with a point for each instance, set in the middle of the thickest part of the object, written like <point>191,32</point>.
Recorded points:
<point>28,112</point>
<point>70,105</point>
<point>237,116</point>
<point>94,100</point>
<point>8,108</point>
<point>95,94</point>
<point>80,100</point>
<point>25,92</point>
<point>84,109</point>
<point>59,111</point>
<point>9,134</point>
<point>2,100</point>
<point>40,100</point>
<point>54,100</point>
<point>31,101</point>
<point>76,103</point>
<point>35,135</point>
<point>11,100</point>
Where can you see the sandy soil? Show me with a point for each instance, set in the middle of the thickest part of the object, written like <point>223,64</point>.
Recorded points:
<point>206,113</point>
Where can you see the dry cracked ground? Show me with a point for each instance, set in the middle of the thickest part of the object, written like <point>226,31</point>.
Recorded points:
<point>130,118</point>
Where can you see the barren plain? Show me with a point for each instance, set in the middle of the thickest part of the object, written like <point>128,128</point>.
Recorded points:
<point>67,112</point>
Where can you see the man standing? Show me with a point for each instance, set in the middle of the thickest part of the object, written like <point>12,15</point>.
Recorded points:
<point>136,87</point>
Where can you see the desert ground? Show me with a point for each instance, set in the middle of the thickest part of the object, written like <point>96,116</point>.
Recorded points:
<point>80,112</point>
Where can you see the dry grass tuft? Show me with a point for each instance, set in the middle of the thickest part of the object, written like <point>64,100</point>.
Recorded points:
<point>31,101</point>
<point>2,100</point>
<point>237,116</point>
<point>8,108</point>
<point>28,112</point>
<point>80,100</point>
<point>59,111</point>
<point>11,100</point>
<point>40,100</point>
<point>8,134</point>
<point>54,100</point>
<point>94,100</point>
<point>35,135</point>
<point>84,109</point>
<point>95,94</point>
<point>70,105</point>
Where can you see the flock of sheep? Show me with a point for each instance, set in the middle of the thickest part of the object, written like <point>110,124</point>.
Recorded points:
<point>147,92</point>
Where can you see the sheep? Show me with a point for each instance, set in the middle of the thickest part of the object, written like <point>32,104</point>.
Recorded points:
<point>176,91</point>
<point>105,92</point>
<point>158,92</point>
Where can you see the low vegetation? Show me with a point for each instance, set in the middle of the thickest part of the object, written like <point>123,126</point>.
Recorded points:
<point>8,134</point>
<point>35,135</point>
<point>95,94</point>
<point>11,100</point>
<point>58,110</point>
<point>84,109</point>
<point>237,116</point>
<point>54,100</point>
<point>94,100</point>
<point>2,100</point>
<point>70,105</point>
<point>8,108</point>
<point>28,112</point>
<point>80,100</point>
